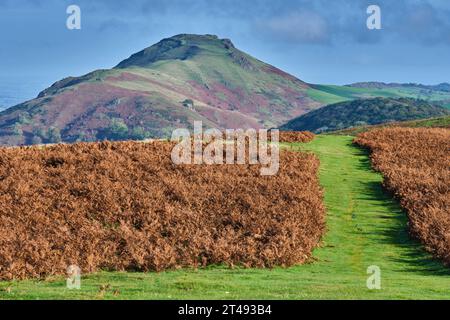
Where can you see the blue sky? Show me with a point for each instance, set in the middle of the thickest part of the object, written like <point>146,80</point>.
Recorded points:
<point>319,41</point>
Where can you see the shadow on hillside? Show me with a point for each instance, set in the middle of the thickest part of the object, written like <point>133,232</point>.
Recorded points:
<point>414,258</point>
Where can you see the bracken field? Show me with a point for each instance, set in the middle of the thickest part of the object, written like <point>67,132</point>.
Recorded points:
<point>296,136</point>
<point>127,207</point>
<point>415,164</point>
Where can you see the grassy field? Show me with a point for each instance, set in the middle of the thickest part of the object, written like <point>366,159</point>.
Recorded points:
<point>366,227</point>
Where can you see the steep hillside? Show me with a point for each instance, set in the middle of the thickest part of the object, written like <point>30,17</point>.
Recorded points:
<point>166,86</point>
<point>365,112</point>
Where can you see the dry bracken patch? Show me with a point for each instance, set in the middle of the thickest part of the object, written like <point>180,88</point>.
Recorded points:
<point>125,206</point>
<point>415,164</point>
<point>296,136</point>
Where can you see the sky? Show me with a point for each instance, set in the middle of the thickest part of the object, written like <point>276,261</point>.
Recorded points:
<point>319,41</point>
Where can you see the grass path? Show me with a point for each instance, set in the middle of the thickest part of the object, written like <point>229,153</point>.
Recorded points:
<point>366,227</point>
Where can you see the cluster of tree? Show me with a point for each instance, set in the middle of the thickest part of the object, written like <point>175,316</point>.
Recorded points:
<point>52,135</point>
<point>118,130</point>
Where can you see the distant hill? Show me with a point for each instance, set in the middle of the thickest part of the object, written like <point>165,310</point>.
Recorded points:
<point>365,112</point>
<point>166,86</point>
<point>445,87</point>
<point>330,94</point>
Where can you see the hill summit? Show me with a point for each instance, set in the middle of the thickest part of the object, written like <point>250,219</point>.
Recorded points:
<point>180,47</point>
<point>163,87</point>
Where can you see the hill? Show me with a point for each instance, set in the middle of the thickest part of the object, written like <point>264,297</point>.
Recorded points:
<point>364,112</point>
<point>329,94</point>
<point>163,87</point>
<point>440,122</point>
<point>169,85</point>
<point>444,87</point>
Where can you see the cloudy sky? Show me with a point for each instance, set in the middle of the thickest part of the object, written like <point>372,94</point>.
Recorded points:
<point>319,41</point>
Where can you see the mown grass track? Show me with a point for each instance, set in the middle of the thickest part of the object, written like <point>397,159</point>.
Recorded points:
<point>365,227</point>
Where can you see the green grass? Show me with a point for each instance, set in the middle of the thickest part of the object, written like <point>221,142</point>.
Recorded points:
<point>365,227</point>
<point>325,97</point>
<point>351,93</point>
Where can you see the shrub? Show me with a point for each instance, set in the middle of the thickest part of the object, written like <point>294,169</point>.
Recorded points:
<point>17,130</point>
<point>54,135</point>
<point>116,130</point>
<point>139,133</point>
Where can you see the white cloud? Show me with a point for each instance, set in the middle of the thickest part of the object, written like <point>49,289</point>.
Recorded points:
<point>304,26</point>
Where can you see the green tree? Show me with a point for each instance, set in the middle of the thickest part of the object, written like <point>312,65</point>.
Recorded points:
<point>40,133</point>
<point>116,130</point>
<point>139,133</point>
<point>54,135</point>
<point>17,130</point>
<point>24,118</point>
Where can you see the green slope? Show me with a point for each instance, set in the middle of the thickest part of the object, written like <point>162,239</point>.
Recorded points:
<point>366,227</point>
<point>328,94</point>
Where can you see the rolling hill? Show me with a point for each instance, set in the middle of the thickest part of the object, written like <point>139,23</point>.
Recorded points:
<point>442,87</point>
<point>329,94</point>
<point>440,122</point>
<point>163,87</point>
<point>365,112</point>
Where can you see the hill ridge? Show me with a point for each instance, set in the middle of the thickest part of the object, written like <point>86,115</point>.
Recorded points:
<point>444,86</point>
